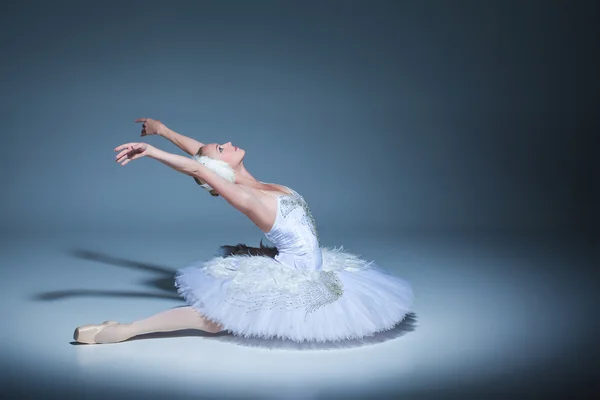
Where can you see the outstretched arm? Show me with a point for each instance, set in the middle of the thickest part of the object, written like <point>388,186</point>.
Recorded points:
<point>234,194</point>
<point>154,127</point>
<point>187,144</point>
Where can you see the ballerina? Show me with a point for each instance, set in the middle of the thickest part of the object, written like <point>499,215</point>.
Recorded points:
<point>296,289</point>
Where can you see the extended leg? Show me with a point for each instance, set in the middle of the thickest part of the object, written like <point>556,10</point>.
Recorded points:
<point>167,321</point>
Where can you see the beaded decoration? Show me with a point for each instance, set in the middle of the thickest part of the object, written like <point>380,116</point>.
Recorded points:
<point>262,283</point>
<point>312,294</point>
<point>290,202</point>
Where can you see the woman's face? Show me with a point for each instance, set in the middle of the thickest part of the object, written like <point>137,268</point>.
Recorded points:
<point>227,152</point>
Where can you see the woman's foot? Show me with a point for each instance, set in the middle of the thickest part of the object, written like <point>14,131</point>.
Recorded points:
<point>107,332</point>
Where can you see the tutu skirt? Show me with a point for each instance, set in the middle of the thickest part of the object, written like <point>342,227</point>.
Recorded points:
<point>251,294</point>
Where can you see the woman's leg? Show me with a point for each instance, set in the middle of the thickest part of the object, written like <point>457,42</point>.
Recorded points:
<point>167,321</point>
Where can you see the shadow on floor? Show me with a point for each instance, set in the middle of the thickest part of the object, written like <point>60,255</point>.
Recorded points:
<point>164,282</point>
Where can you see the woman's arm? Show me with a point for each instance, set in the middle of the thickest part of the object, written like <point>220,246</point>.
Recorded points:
<point>236,195</point>
<point>155,127</point>
<point>187,144</point>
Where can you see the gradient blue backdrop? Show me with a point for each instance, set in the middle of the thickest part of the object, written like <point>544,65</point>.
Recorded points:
<point>417,116</point>
<point>393,119</point>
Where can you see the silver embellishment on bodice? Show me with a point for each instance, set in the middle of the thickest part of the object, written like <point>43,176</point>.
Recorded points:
<point>290,202</point>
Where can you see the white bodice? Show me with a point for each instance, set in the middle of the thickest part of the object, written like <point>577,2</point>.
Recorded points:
<point>294,233</point>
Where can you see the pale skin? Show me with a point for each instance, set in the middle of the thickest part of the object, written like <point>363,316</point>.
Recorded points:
<point>251,197</point>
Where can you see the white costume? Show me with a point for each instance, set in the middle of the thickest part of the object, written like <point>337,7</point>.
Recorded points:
<point>304,293</point>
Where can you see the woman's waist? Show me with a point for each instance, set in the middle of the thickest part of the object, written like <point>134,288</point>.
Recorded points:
<point>308,259</point>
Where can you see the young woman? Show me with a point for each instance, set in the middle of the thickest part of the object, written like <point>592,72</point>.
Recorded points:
<point>295,290</point>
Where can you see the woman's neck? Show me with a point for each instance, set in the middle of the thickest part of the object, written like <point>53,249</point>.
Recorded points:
<point>243,177</point>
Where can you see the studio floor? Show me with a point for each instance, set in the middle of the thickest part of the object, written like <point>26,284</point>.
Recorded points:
<point>494,316</point>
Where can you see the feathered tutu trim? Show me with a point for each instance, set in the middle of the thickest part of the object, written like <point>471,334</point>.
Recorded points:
<point>250,294</point>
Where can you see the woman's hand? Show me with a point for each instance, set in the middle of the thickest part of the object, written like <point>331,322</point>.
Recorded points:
<point>151,126</point>
<point>132,151</point>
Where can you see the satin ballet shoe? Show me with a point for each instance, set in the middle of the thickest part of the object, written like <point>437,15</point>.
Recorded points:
<point>87,333</point>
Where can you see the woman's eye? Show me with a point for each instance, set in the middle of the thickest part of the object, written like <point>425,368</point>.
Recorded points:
<point>220,149</point>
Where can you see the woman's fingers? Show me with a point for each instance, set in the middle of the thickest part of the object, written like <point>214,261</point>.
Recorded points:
<point>124,146</point>
<point>121,154</point>
<point>130,157</point>
<point>125,152</point>
<point>123,158</point>
<point>129,151</point>
<point>129,146</point>
<point>126,159</point>
<point>133,145</point>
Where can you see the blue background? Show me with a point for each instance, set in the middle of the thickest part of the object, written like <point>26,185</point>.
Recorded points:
<point>453,142</point>
<point>411,116</point>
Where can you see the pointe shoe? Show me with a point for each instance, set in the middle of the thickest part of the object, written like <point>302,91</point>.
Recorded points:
<point>87,333</point>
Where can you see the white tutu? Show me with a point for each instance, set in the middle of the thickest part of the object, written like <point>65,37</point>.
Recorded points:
<point>258,296</point>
